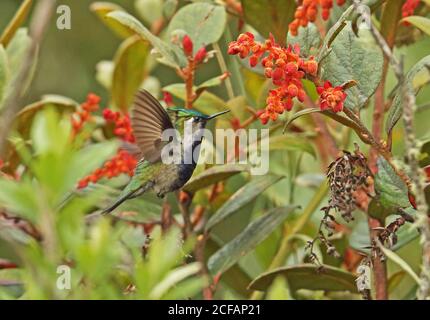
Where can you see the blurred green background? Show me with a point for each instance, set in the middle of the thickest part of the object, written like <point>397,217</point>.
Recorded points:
<point>68,58</point>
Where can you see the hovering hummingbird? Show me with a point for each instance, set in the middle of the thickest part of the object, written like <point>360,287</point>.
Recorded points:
<point>149,120</point>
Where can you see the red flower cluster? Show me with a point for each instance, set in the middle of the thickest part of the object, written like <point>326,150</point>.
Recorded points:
<point>122,162</point>
<point>286,69</point>
<point>83,115</point>
<point>122,123</point>
<point>409,7</point>
<point>308,10</point>
<point>331,97</point>
<point>283,65</point>
<point>187,46</point>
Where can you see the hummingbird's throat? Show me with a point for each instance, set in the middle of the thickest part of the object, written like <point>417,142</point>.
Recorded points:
<point>183,148</point>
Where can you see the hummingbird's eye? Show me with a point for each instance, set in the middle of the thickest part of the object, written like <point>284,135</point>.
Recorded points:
<point>196,119</point>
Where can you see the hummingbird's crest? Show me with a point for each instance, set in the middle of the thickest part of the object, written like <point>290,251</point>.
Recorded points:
<point>149,120</point>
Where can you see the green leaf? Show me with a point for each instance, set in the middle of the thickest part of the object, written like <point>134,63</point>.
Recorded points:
<point>271,16</point>
<point>333,33</point>
<point>58,166</point>
<point>150,10</point>
<point>378,211</point>
<point>291,143</point>
<point>4,72</point>
<point>310,180</point>
<point>421,23</point>
<point>102,9</point>
<point>23,120</point>
<point>169,8</point>
<point>394,280</point>
<point>11,283</point>
<point>309,277</point>
<point>354,58</point>
<point>104,73</point>
<point>299,114</point>
<point>25,117</point>
<point>359,238</point>
<point>256,232</point>
<point>278,290</point>
<point>242,197</point>
<point>214,175</point>
<point>173,278</point>
<point>187,288</point>
<point>213,82</point>
<point>17,52</point>
<point>400,262</point>
<point>16,22</point>
<point>203,22</point>
<point>129,71</point>
<point>419,70</point>
<point>235,277</point>
<point>19,198</point>
<point>207,103</point>
<point>307,38</point>
<point>171,56</point>
<point>391,189</point>
<point>238,107</point>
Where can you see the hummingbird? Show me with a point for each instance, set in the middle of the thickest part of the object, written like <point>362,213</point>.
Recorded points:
<point>149,120</point>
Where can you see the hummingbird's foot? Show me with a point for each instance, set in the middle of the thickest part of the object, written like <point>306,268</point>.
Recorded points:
<point>161,195</point>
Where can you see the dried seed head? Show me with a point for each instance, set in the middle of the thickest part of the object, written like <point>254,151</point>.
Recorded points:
<point>346,174</point>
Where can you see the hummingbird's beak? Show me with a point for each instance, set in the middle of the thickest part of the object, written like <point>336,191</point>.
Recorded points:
<point>217,114</point>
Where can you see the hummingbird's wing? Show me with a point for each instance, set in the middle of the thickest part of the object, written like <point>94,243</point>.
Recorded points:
<point>132,149</point>
<point>149,120</point>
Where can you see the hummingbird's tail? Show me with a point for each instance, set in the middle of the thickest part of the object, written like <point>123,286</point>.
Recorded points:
<point>117,203</point>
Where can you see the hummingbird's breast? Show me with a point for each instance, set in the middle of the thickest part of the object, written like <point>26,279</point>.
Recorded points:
<point>172,177</point>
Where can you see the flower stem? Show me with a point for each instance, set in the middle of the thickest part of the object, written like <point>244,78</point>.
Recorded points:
<point>224,70</point>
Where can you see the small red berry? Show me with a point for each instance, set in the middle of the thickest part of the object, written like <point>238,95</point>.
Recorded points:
<point>253,60</point>
<point>291,67</point>
<point>311,67</point>
<point>277,74</point>
<point>293,91</point>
